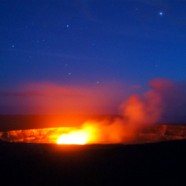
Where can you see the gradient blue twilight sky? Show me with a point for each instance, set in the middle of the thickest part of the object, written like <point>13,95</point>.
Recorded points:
<point>92,42</point>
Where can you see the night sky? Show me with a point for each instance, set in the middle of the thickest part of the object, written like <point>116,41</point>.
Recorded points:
<point>91,42</point>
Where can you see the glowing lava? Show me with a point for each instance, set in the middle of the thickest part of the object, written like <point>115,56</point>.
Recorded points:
<point>84,135</point>
<point>77,138</point>
<point>96,133</point>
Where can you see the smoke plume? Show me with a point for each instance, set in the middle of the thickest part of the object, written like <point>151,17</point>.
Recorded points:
<point>164,101</point>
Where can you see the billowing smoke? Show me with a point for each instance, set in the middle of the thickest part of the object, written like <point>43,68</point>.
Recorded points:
<point>165,101</point>
<point>137,113</point>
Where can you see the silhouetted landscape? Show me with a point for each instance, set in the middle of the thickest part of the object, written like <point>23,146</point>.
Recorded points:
<point>43,164</point>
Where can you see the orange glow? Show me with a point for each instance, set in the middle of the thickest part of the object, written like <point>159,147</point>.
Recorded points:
<point>77,137</point>
<point>96,133</point>
<point>85,135</point>
<point>61,135</point>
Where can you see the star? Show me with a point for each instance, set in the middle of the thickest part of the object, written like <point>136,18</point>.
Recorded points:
<point>13,46</point>
<point>161,13</point>
<point>67,26</point>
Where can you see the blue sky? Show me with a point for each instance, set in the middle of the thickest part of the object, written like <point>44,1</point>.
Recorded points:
<point>91,42</point>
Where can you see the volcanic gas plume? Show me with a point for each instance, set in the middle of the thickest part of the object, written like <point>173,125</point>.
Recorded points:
<point>136,114</point>
<point>139,113</point>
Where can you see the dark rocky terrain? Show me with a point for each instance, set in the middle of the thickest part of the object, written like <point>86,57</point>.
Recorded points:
<point>156,163</point>
<point>43,164</point>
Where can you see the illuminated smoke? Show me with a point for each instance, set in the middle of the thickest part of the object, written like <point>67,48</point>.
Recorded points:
<point>138,114</point>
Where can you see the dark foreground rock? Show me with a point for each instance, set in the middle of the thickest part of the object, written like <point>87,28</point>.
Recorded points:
<point>41,164</point>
